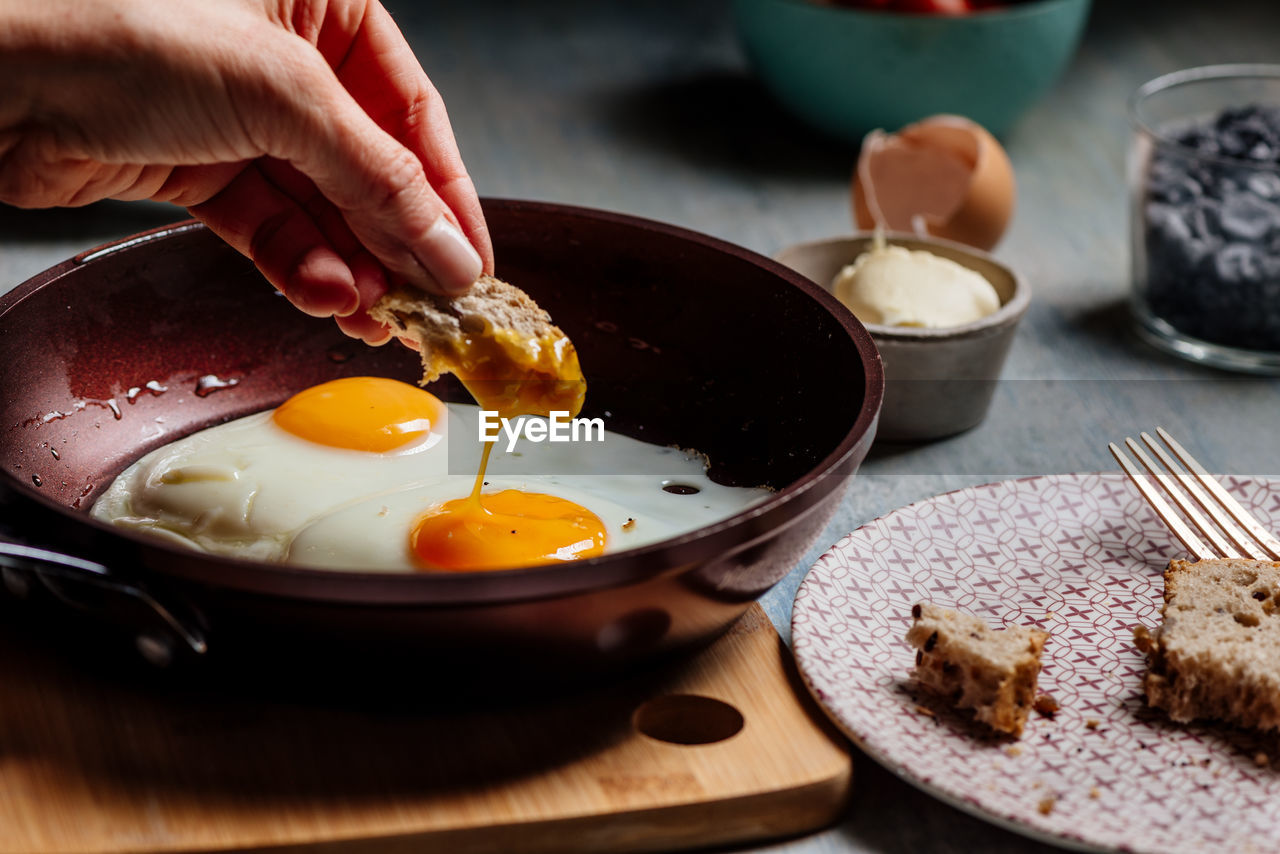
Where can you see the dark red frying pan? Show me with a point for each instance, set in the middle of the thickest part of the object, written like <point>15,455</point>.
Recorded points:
<point>685,340</point>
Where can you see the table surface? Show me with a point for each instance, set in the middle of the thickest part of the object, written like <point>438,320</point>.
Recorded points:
<point>648,108</point>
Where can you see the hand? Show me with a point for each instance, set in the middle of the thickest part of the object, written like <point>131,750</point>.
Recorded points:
<point>304,132</point>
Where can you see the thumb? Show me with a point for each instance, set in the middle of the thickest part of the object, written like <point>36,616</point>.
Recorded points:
<point>379,185</point>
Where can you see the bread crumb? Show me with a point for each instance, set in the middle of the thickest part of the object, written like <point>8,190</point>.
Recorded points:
<point>1013,750</point>
<point>629,524</point>
<point>1092,723</point>
<point>1095,793</point>
<point>1261,759</point>
<point>1046,705</point>
<point>1046,805</point>
<point>928,713</point>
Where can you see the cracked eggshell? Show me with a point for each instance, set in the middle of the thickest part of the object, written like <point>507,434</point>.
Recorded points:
<point>944,176</point>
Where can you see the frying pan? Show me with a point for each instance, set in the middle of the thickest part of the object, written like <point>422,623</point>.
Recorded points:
<point>685,340</point>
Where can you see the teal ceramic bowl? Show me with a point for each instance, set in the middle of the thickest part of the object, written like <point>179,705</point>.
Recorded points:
<point>847,71</point>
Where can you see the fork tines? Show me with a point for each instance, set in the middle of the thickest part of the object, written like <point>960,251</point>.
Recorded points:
<point>1230,530</point>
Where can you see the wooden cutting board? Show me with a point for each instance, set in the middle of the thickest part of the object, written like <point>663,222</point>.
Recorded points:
<point>91,764</point>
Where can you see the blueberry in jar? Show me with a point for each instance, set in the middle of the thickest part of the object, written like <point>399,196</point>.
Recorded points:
<point>1211,225</point>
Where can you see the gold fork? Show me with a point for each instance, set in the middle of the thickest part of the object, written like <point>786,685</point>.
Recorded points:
<point>1234,533</point>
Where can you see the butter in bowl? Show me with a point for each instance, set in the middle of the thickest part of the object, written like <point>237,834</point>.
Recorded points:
<point>942,314</point>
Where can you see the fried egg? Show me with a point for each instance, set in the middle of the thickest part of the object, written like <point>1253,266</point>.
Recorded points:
<point>372,474</point>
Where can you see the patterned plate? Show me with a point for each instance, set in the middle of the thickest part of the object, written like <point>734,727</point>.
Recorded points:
<point>1081,556</point>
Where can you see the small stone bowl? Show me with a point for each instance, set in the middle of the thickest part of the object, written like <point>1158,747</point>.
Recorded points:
<point>938,382</point>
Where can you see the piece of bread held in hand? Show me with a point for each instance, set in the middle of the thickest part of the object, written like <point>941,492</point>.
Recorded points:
<point>496,340</point>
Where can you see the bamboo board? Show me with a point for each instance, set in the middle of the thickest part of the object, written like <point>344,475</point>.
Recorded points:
<point>98,766</point>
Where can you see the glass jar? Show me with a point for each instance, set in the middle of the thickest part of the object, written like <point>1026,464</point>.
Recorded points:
<point>1204,182</point>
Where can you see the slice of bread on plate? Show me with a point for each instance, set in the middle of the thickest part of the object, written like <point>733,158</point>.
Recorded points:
<point>496,340</point>
<point>1217,652</point>
<point>993,672</point>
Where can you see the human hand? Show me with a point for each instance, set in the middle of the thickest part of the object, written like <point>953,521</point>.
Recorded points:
<point>305,134</point>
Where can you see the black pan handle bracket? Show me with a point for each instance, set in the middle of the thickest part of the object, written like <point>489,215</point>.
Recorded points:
<point>61,574</point>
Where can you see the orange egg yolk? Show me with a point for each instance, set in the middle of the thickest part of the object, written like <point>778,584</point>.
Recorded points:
<point>504,530</point>
<point>361,413</point>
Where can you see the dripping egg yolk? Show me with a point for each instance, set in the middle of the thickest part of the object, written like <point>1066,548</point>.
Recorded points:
<point>361,413</point>
<point>509,529</point>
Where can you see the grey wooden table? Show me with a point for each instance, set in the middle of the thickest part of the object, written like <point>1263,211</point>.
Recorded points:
<point>648,108</point>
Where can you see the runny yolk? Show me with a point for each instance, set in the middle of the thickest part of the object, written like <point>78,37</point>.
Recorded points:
<point>505,530</point>
<point>514,375</point>
<point>361,413</point>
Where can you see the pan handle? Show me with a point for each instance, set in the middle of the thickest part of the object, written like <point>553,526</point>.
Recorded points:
<point>18,560</point>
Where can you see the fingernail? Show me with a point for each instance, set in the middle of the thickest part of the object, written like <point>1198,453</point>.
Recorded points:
<point>452,261</point>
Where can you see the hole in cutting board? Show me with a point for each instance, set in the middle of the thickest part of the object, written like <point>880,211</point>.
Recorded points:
<point>688,719</point>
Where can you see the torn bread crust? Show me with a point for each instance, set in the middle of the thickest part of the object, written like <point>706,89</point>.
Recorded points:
<point>1215,654</point>
<point>496,339</point>
<point>975,667</point>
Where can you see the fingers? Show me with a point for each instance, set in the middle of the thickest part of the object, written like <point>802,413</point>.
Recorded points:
<point>370,280</point>
<point>191,185</point>
<point>371,285</point>
<point>386,191</point>
<point>272,229</point>
<point>381,72</point>
<point>384,196</point>
<point>300,242</point>
<point>34,174</point>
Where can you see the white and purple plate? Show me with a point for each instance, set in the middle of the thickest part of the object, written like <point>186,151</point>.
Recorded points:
<point>1080,555</point>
